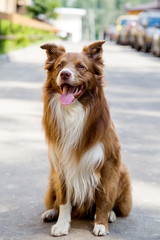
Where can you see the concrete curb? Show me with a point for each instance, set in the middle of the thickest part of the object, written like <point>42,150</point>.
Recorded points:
<point>15,54</point>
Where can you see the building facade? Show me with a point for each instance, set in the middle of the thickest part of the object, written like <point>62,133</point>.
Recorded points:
<point>14,6</point>
<point>69,21</point>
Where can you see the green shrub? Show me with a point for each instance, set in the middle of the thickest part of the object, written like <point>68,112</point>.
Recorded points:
<point>23,36</point>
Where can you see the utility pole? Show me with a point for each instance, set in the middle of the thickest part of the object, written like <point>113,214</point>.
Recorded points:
<point>91,18</point>
<point>118,3</point>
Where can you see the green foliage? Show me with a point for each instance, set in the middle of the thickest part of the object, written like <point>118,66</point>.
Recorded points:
<point>22,36</point>
<point>45,7</point>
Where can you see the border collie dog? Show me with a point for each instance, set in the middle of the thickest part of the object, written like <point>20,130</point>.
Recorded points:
<point>87,176</point>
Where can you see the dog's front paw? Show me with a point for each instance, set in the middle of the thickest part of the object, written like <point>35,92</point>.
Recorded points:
<point>60,229</point>
<point>99,230</point>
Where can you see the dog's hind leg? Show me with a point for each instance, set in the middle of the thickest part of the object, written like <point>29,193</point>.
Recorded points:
<point>50,215</point>
<point>123,203</point>
<point>52,209</point>
<point>51,201</point>
<point>50,197</point>
<point>111,217</point>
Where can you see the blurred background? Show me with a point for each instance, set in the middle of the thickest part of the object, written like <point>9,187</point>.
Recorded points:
<point>132,22</point>
<point>132,32</point>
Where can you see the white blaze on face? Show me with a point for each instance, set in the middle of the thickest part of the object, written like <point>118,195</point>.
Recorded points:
<point>65,80</point>
<point>71,79</point>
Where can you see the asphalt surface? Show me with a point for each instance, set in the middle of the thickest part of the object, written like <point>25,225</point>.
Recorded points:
<point>133,93</point>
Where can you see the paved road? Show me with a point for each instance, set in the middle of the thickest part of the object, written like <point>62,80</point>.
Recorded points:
<point>133,93</point>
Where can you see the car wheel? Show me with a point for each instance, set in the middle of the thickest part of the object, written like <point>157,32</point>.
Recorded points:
<point>145,47</point>
<point>118,40</point>
<point>158,53</point>
<point>136,45</point>
<point>153,52</point>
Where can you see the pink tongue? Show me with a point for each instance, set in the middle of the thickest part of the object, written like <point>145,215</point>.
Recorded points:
<point>67,96</point>
<point>67,99</point>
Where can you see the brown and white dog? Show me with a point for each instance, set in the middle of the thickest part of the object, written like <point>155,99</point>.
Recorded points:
<point>87,176</point>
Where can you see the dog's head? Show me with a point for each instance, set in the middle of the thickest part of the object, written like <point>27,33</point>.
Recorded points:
<point>74,75</point>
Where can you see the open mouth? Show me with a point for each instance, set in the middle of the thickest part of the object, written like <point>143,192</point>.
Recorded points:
<point>69,93</point>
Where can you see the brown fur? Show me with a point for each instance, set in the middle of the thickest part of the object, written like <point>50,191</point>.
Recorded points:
<point>114,190</point>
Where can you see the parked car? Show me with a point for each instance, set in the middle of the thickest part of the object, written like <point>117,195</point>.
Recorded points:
<point>123,26</point>
<point>145,29</point>
<point>131,31</point>
<point>126,31</point>
<point>132,34</point>
<point>156,43</point>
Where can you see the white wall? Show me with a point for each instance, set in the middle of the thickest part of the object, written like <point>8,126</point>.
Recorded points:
<point>8,6</point>
<point>70,21</point>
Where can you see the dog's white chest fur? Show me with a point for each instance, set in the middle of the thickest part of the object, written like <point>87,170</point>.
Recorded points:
<point>80,178</point>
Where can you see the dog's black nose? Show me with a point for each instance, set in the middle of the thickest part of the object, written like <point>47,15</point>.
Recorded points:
<point>65,74</point>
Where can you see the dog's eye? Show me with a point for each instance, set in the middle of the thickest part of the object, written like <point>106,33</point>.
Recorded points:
<point>81,66</point>
<point>59,65</point>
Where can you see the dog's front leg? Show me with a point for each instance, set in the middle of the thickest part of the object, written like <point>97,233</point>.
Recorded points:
<point>63,224</point>
<point>101,216</point>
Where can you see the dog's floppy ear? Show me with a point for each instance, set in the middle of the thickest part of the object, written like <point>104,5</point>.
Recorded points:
<point>53,52</point>
<point>94,51</point>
